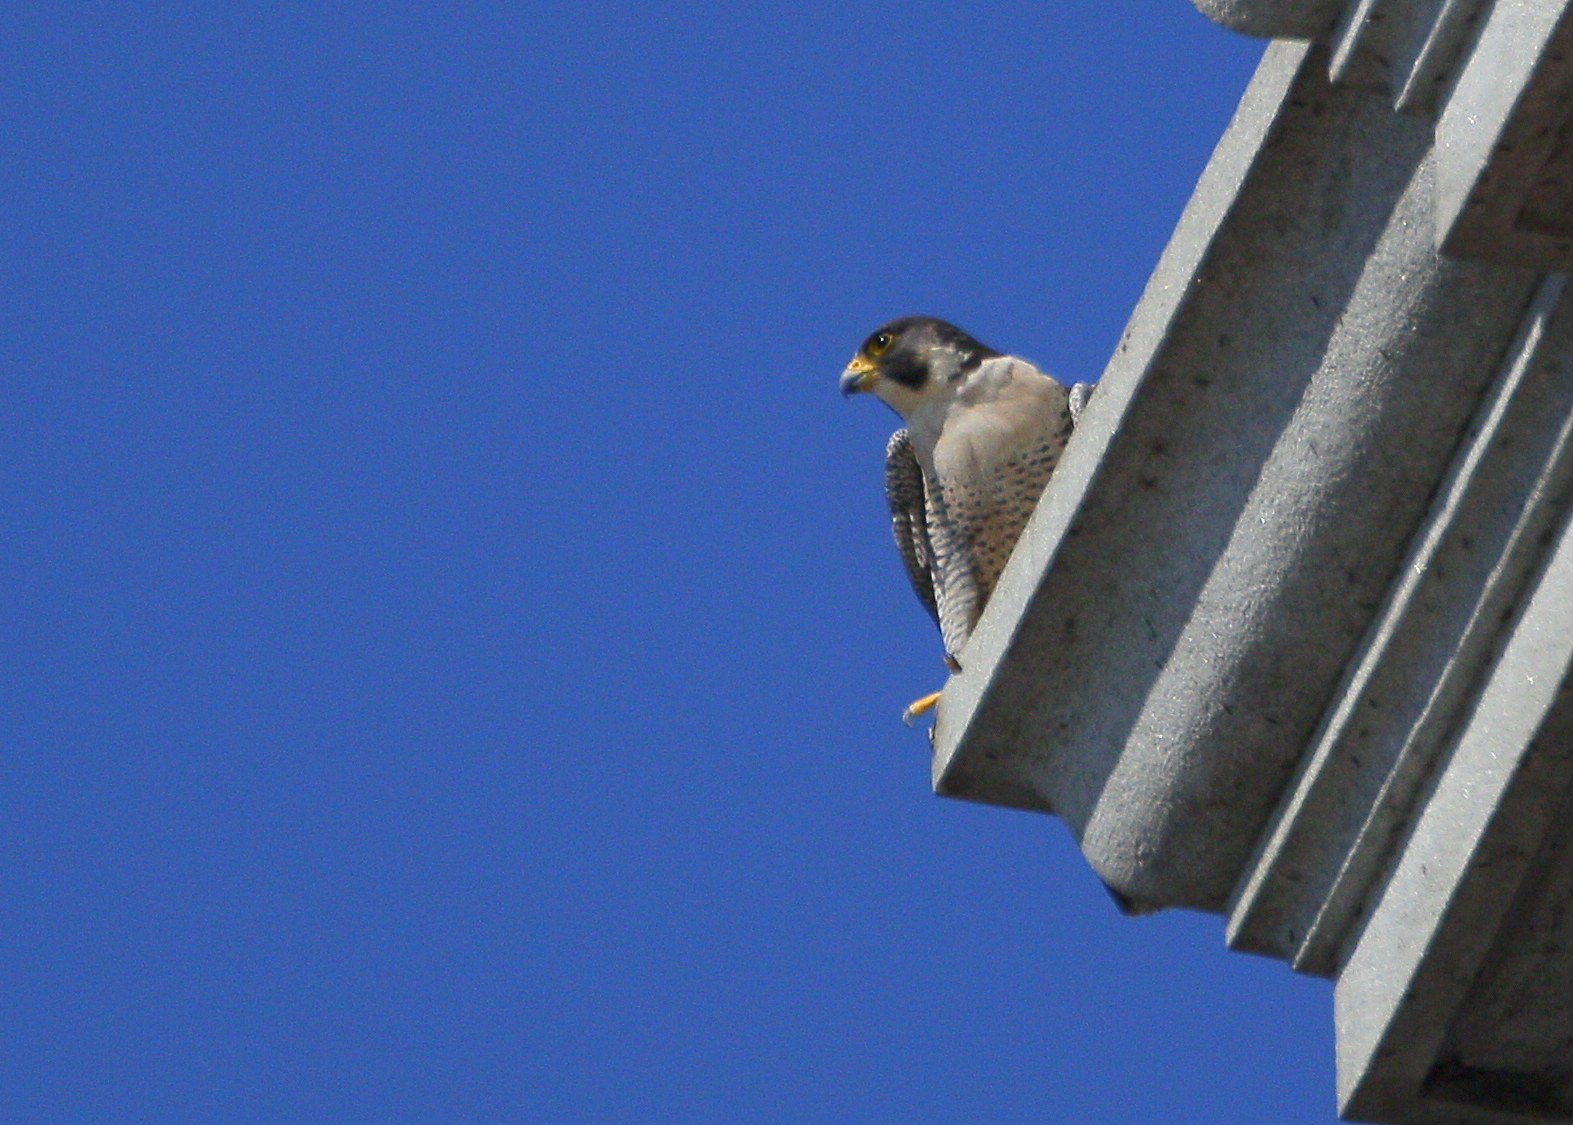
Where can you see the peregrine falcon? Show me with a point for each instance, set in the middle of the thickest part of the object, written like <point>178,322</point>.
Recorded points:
<point>983,432</point>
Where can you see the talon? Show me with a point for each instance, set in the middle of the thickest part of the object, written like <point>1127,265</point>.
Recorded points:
<point>952,663</point>
<point>920,707</point>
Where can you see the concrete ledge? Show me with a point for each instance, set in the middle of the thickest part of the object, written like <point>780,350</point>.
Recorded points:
<point>1213,547</point>
<point>982,727</point>
<point>1285,19</point>
<point>1399,1000</point>
<point>1505,177</point>
<point>1290,636</point>
<point>1383,731</point>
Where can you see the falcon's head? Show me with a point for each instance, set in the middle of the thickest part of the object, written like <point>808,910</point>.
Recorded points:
<point>913,361</point>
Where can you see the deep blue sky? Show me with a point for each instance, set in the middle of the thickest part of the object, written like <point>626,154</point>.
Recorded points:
<point>452,644</point>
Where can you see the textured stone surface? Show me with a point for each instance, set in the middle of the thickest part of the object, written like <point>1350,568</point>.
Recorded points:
<point>1239,527</point>
<point>1434,922</point>
<point>1379,739</point>
<point>1290,19</point>
<point>1290,634</point>
<point>1505,140</point>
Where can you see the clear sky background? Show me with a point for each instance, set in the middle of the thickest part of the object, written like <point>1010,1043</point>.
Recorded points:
<point>452,643</point>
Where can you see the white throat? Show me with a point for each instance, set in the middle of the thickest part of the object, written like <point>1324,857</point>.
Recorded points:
<point>925,412</point>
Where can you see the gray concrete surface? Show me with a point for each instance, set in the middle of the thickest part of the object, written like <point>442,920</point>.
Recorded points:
<point>1290,636</point>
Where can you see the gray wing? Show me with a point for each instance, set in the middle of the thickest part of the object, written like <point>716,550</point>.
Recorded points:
<point>909,517</point>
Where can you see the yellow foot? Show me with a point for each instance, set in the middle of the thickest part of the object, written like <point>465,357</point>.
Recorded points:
<point>920,707</point>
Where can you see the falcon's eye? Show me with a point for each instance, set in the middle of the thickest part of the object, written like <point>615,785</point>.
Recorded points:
<point>879,343</point>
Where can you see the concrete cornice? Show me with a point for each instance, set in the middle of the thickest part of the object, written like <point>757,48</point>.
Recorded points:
<point>1285,19</point>
<point>1288,638</point>
<point>1253,462</point>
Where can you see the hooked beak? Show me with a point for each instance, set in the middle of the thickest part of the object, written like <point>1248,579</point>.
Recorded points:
<point>859,376</point>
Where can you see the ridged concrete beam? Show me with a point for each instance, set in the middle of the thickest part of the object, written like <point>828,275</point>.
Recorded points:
<point>1290,635</point>
<point>1251,467</point>
<point>1412,679</point>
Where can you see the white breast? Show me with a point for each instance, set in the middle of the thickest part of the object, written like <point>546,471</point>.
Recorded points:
<point>986,452</point>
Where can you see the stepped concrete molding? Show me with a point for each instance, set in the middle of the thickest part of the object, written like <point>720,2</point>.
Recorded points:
<point>1290,636</point>
<point>1303,18</point>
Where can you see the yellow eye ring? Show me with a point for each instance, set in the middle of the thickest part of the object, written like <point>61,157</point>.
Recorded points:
<point>879,343</point>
